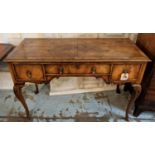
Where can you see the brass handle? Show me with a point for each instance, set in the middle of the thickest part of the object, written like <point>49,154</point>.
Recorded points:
<point>125,71</point>
<point>93,70</point>
<point>77,66</point>
<point>29,74</point>
<point>61,70</point>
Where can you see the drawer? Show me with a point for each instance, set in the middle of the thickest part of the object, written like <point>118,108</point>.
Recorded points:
<point>132,72</point>
<point>29,72</point>
<point>153,73</point>
<point>77,69</point>
<point>150,95</point>
<point>152,83</point>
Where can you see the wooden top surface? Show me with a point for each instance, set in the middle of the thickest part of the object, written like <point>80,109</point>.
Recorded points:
<point>4,50</point>
<point>76,50</point>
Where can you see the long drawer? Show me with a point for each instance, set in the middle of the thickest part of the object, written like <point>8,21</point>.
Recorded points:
<point>76,68</point>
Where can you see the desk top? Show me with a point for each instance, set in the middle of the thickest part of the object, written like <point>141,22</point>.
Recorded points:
<point>76,50</point>
<point>4,50</point>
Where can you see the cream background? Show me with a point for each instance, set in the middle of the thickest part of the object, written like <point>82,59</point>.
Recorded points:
<point>15,38</point>
<point>62,85</point>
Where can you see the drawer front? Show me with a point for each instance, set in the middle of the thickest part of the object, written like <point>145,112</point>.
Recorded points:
<point>150,95</point>
<point>29,72</point>
<point>131,72</point>
<point>77,69</point>
<point>153,72</point>
<point>152,83</point>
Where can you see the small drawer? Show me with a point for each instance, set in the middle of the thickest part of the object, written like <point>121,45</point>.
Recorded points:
<point>29,72</point>
<point>130,72</point>
<point>150,95</point>
<point>153,75</point>
<point>77,69</point>
<point>152,83</point>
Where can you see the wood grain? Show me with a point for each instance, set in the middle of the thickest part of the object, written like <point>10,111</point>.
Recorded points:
<point>76,50</point>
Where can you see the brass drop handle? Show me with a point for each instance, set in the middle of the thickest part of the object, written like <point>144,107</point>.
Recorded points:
<point>29,74</point>
<point>77,66</point>
<point>125,71</point>
<point>61,70</point>
<point>93,70</point>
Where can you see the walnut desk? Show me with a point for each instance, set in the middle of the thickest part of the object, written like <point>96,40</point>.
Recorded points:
<point>117,61</point>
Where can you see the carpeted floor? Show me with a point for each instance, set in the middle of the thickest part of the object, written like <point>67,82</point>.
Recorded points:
<point>88,107</point>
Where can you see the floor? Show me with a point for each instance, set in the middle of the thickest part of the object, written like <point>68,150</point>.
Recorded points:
<point>87,107</point>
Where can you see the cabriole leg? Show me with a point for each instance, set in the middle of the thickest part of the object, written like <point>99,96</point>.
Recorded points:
<point>18,93</point>
<point>134,95</point>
